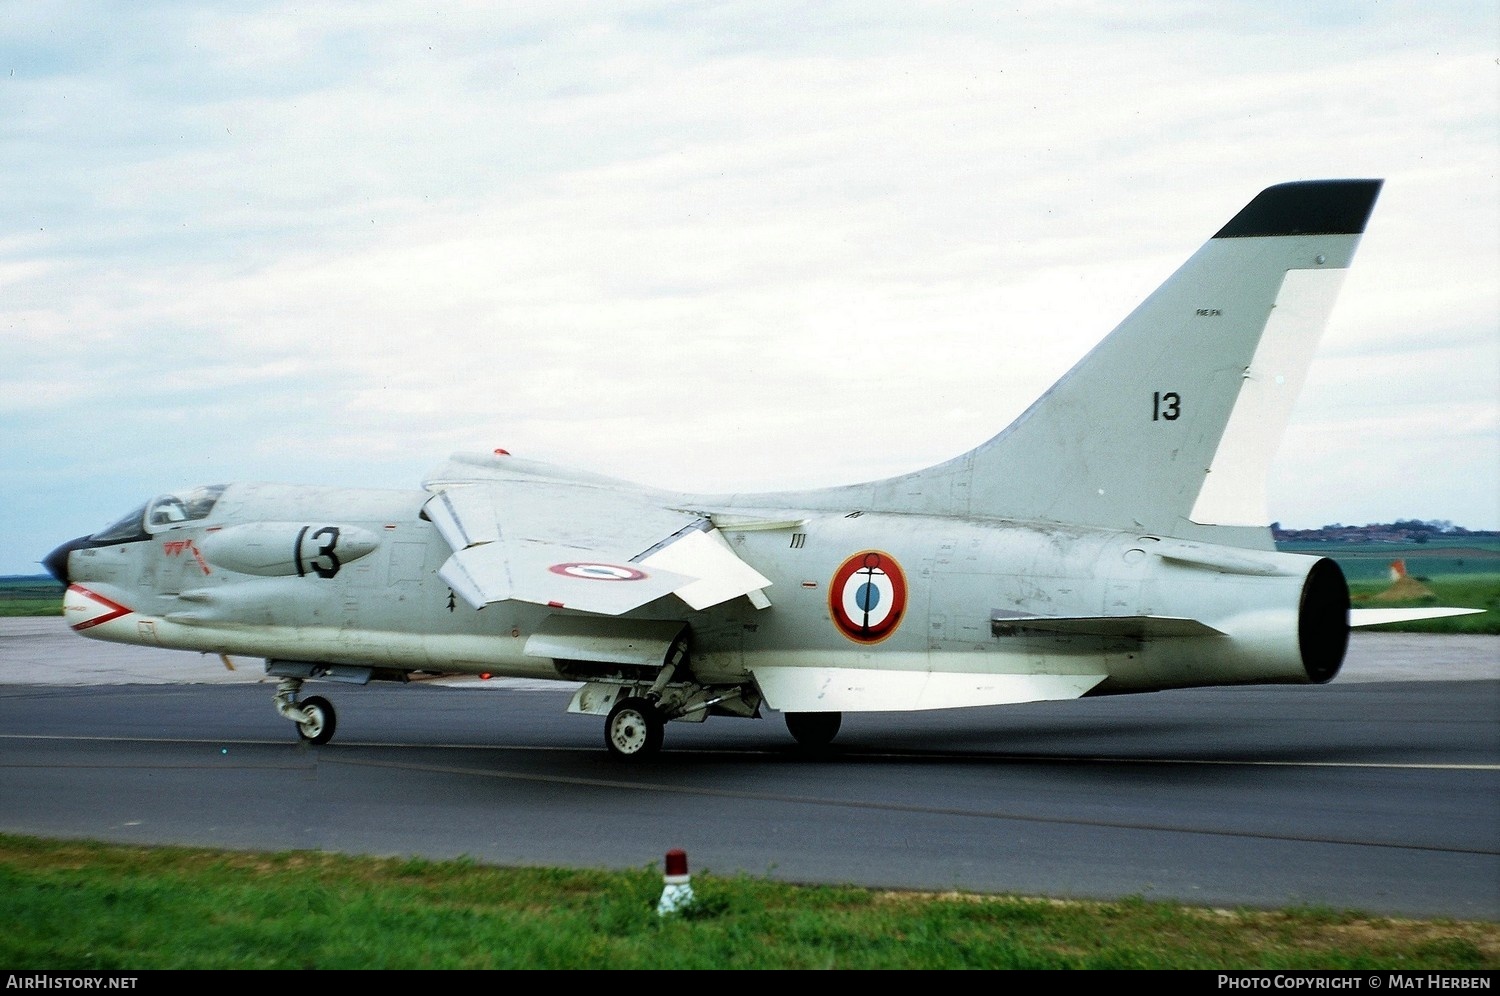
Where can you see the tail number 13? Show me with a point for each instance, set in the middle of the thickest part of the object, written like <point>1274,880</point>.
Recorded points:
<point>1165,406</point>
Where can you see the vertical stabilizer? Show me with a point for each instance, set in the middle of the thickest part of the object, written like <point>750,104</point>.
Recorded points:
<point>1170,423</point>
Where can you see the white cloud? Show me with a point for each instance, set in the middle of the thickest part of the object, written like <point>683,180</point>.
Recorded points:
<point>739,245</point>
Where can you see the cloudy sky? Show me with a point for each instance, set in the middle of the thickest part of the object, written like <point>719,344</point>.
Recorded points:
<point>709,246</point>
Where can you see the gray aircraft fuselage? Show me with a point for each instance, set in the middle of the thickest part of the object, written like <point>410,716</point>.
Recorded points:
<point>1112,539</point>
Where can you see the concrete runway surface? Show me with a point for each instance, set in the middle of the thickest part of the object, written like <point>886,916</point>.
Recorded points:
<point>1377,792</point>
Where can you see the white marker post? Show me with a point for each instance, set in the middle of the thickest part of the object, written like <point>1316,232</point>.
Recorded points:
<point>677,892</point>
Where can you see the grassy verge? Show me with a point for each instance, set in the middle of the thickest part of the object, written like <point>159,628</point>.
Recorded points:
<point>81,905</point>
<point>27,607</point>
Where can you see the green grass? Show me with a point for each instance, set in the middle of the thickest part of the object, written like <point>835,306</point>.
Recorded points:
<point>14,608</point>
<point>30,596</point>
<point>71,905</point>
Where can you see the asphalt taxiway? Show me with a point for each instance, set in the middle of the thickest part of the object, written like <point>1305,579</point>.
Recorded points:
<point>1379,791</point>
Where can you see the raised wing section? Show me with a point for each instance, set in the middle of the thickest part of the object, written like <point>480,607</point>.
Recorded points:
<point>702,553</point>
<point>577,544</point>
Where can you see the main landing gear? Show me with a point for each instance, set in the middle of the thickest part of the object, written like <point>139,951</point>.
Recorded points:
<point>313,715</point>
<point>634,728</point>
<point>814,730</point>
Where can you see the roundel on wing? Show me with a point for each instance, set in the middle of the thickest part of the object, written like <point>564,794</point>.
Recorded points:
<point>598,572</point>
<point>868,596</point>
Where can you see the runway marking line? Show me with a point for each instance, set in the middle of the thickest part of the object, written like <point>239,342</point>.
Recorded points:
<point>851,755</point>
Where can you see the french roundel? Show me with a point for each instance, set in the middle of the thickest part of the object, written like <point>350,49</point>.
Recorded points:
<point>598,572</point>
<point>868,596</point>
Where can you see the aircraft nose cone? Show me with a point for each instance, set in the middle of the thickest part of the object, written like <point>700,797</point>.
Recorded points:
<point>56,562</point>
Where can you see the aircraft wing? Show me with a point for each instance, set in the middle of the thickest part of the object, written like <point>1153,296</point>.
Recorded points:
<point>576,545</point>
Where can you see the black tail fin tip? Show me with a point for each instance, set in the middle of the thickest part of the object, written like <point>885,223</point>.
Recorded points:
<point>1308,207</point>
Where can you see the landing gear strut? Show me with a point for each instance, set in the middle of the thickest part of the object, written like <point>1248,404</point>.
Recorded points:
<point>314,715</point>
<point>635,724</point>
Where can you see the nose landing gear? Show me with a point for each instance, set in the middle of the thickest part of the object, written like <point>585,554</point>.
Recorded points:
<point>314,715</point>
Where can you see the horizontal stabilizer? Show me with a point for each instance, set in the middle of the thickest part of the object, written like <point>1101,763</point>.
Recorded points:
<point>1140,627</point>
<point>1374,617</point>
<point>842,689</point>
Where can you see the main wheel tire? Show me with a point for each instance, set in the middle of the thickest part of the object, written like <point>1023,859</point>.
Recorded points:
<point>633,729</point>
<point>814,729</point>
<point>318,727</point>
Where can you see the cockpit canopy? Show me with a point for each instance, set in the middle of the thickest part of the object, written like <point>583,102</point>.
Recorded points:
<point>162,512</point>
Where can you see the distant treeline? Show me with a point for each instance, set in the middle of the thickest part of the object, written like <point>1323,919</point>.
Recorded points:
<point>1400,531</point>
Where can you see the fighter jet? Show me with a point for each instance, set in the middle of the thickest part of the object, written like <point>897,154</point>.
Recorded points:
<point>1113,539</point>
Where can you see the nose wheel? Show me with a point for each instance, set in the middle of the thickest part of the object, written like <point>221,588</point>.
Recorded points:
<point>318,727</point>
<point>313,715</point>
<point>633,729</point>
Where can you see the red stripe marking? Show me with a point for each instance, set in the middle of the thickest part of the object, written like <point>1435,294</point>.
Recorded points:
<point>116,610</point>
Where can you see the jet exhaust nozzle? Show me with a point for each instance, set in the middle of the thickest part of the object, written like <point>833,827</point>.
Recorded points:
<point>1323,621</point>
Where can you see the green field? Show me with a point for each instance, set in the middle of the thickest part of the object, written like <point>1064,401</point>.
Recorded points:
<point>1460,573</point>
<point>1435,559</point>
<point>87,906</point>
<point>30,596</point>
<point>1469,591</point>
